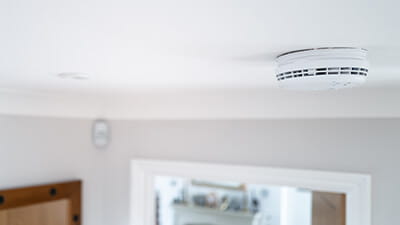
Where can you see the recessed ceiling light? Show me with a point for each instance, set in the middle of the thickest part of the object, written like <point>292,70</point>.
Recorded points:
<point>73,75</point>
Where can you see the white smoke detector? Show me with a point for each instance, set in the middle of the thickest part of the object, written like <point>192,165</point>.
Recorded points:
<point>322,68</point>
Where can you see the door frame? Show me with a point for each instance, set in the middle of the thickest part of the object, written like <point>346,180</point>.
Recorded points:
<point>357,187</point>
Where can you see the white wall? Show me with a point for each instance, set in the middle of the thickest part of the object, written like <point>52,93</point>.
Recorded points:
<point>38,150</point>
<point>41,150</point>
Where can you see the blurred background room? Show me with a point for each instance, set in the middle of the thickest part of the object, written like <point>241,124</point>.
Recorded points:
<point>181,201</point>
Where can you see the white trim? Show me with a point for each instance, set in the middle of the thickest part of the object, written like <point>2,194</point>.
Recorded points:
<point>355,186</point>
<point>203,104</point>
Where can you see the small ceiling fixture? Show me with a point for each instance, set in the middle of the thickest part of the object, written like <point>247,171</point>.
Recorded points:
<point>322,68</point>
<point>73,75</point>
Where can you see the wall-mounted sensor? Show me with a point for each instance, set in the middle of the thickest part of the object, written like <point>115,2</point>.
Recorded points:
<point>101,133</point>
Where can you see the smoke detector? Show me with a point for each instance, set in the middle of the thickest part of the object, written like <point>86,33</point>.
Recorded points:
<point>322,68</point>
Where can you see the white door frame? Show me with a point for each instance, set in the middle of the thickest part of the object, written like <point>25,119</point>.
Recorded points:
<point>357,187</point>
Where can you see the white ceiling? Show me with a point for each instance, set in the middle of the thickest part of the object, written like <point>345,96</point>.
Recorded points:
<point>125,46</point>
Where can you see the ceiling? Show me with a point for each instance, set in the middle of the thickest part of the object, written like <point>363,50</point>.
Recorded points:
<point>126,46</point>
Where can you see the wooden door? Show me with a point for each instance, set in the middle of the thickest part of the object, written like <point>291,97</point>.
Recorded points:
<point>328,208</point>
<point>50,213</point>
<point>51,204</point>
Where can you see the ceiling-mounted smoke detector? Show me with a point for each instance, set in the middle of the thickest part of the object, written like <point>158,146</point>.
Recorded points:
<point>322,68</point>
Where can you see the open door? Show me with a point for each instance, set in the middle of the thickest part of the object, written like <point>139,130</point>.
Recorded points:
<point>328,208</point>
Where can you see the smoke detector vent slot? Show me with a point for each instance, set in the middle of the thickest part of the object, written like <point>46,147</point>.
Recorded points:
<point>323,71</point>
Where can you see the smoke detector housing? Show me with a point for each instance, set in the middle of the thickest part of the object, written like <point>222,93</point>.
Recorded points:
<point>322,68</point>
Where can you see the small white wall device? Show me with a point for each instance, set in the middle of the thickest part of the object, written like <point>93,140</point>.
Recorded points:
<point>101,133</point>
<point>322,68</point>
